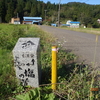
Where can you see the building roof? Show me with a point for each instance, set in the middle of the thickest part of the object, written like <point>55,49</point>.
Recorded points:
<point>75,22</point>
<point>34,21</point>
<point>25,18</point>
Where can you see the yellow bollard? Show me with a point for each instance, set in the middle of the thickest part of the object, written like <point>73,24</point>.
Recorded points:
<point>54,67</point>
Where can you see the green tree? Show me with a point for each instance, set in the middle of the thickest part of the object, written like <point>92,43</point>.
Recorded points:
<point>2,10</point>
<point>33,11</point>
<point>20,6</point>
<point>10,12</point>
<point>28,6</point>
<point>39,8</point>
<point>43,11</point>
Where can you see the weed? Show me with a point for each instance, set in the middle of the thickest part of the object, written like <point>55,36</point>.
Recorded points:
<point>74,80</point>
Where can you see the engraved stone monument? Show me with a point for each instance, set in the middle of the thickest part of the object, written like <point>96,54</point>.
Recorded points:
<point>26,55</point>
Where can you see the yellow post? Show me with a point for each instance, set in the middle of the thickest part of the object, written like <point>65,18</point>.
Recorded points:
<point>54,67</point>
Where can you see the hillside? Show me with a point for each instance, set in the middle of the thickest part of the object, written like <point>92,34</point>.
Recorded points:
<point>76,11</point>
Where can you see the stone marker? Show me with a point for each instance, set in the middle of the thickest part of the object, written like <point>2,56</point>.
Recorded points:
<point>26,55</point>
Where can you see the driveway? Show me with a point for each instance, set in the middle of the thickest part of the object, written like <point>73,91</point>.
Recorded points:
<point>81,44</point>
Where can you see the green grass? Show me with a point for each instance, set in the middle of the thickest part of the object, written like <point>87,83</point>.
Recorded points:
<point>9,35</point>
<point>74,80</point>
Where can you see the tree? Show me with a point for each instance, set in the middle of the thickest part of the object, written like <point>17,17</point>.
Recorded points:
<point>20,6</point>
<point>10,12</point>
<point>2,10</point>
<point>43,11</point>
<point>39,8</point>
<point>85,13</point>
<point>28,6</point>
<point>33,11</point>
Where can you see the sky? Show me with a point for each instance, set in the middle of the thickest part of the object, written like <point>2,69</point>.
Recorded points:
<point>92,2</point>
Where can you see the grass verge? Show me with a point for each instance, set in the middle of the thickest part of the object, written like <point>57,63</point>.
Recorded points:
<point>74,80</point>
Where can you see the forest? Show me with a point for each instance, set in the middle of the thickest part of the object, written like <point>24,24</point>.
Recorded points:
<point>75,11</point>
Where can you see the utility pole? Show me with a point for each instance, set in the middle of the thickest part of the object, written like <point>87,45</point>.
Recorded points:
<point>59,14</point>
<point>45,14</point>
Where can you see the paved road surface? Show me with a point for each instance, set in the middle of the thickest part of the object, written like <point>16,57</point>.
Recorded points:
<point>82,44</point>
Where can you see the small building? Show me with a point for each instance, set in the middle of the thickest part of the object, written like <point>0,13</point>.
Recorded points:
<point>32,20</point>
<point>74,24</point>
<point>15,20</point>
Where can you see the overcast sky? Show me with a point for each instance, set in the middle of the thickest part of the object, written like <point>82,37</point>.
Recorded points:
<point>94,2</point>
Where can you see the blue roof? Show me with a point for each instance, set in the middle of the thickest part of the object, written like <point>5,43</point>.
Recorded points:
<point>75,22</point>
<point>25,18</point>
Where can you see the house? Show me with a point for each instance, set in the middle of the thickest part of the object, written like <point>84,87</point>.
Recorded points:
<point>72,24</point>
<point>32,20</point>
<point>15,20</point>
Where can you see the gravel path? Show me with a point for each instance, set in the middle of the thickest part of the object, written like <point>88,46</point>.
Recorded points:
<point>81,44</point>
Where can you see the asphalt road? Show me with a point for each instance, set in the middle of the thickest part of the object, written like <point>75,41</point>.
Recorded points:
<point>81,44</point>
